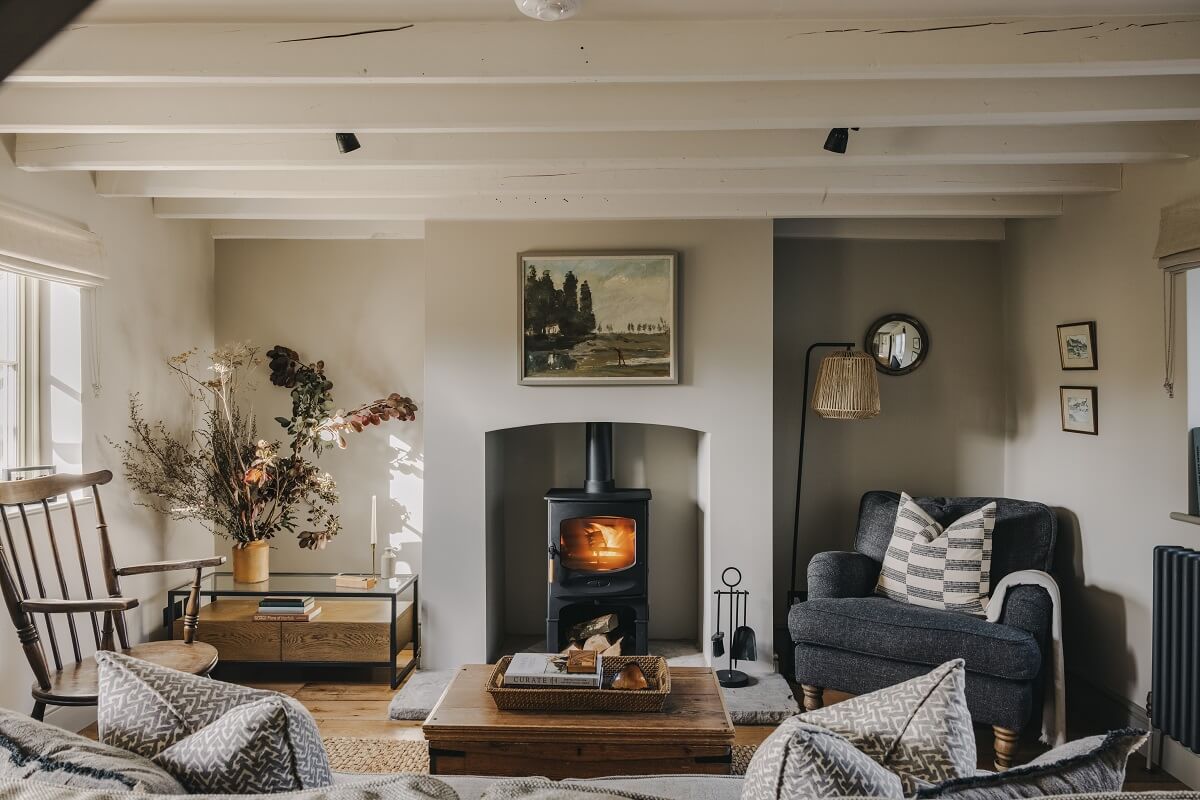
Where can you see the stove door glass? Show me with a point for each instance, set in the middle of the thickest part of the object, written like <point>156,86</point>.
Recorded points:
<point>597,543</point>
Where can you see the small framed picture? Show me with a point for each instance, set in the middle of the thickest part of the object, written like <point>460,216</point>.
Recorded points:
<point>1077,345</point>
<point>1078,406</point>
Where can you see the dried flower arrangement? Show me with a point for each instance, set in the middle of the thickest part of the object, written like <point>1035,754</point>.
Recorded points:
<point>240,486</point>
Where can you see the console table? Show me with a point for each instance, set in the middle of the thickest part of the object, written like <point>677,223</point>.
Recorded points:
<point>468,735</point>
<point>356,627</point>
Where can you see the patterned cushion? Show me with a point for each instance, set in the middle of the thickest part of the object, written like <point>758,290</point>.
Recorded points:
<point>920,729</point>
<point>1095,764</point>
<point>379,787</point>
<point>32,750</point>
<point>546,789</point>
<point>799,760</point>
<point>194,726</point>
<point>928,566</point>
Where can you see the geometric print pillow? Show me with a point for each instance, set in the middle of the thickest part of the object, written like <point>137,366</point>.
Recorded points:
<point>920,729</point>
<point>1093,766</point>
<point>799,761</point>
<point>947,569</point>
<point>192,726</point>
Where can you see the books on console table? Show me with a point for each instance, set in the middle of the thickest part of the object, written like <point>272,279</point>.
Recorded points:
<point>549,670</point>
<point>279,608</point>
<point>298,615</point>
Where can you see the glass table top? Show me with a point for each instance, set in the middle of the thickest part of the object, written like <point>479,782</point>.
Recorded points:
<point>317,584</point>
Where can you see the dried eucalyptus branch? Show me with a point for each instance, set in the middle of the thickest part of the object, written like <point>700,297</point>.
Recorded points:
<point>222,474</point>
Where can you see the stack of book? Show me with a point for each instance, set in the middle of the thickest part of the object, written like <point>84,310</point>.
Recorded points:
<point>279,608</point>
<point>548,670</point>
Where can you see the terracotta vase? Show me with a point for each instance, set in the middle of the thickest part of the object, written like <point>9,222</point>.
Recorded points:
<point>252,563</point>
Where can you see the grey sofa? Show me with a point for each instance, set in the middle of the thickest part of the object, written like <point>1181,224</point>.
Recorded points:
<point>848,639</point>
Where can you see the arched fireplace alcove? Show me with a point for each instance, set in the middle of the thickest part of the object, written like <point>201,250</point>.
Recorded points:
<point>524,463</point>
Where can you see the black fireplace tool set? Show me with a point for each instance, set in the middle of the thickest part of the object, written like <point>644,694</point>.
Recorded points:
<point>743,644</point>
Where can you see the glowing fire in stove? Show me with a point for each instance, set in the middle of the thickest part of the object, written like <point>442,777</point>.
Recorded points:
<point>597,544</point>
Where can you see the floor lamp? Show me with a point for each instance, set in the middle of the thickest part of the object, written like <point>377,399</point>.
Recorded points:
<point>847,388</point>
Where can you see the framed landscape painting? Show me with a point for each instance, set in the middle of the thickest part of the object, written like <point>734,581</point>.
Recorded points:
<point>1077,345</point>
<point>599,318</point>
<point>1078,407</point>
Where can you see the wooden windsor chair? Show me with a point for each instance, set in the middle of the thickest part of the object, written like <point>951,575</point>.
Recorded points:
<point>24,585</point>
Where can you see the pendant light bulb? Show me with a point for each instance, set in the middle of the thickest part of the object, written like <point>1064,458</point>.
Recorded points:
<point>549,10</point>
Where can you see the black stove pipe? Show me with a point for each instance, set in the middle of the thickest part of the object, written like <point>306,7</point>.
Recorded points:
<point>599,458</point>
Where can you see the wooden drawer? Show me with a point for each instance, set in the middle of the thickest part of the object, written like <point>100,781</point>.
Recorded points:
<point>347,630</point>
<point>228,625</point>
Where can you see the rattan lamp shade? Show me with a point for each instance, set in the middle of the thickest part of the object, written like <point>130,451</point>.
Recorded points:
<point>847,386</point>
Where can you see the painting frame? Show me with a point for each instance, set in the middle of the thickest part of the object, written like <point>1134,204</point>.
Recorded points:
<point>1069,332</point>
<point>671,316</point>
<point>1092,427</point>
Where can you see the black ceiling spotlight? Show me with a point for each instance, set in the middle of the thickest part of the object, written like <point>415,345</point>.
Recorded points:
<point>837,139</point>
<point>348,143</point>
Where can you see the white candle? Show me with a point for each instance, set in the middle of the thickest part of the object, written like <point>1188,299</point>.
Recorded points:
<point>374,522</point>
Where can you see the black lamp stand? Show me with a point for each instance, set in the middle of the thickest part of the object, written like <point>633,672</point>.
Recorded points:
<point>793,594</point>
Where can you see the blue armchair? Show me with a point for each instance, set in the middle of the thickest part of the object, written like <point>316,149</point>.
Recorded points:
<point>848,639</point>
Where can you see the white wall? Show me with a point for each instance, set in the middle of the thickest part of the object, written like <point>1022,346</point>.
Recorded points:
<point>1096,263</point>
<point>359,306</point>
<point>540,457</point>
<point>470,381</point>
<point>156,303</point>
<point>941,428</point>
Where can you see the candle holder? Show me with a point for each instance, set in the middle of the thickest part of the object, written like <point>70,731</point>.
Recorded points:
<point>372,571</point>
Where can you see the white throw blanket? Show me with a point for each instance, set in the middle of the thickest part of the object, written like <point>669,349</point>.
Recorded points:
<point>1054,709</point>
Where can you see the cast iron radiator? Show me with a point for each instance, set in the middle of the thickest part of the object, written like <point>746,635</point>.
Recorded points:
<point>1175,687</point>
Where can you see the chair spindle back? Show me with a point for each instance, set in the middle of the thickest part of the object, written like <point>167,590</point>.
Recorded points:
<point>16,499</point>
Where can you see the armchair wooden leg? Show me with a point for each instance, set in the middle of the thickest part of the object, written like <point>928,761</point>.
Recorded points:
<point>1006,746</point>
<point>39,711</point>
<point>814,697</point>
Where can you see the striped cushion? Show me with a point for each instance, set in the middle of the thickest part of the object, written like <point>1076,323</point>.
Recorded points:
<point>928,566</point>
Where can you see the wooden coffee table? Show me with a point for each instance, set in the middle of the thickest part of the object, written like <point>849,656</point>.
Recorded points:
<point>468,735</point>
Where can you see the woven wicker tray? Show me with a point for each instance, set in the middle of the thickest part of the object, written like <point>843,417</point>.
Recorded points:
<point>509,698</point>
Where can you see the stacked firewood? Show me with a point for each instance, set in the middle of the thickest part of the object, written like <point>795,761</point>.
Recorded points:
<point>597,635</point>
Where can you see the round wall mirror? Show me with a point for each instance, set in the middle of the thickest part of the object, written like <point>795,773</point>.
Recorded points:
<point>898,342</point>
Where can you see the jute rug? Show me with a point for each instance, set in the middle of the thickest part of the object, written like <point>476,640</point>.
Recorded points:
<point>386,756</point>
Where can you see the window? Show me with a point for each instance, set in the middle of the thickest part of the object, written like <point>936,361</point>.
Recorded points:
<point>41,410</point>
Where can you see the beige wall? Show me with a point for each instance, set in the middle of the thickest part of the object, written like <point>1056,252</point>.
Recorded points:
<point>471,390</point>
<point>1096,263</point>
<point>941,430</point>
<point>359,306</point>
<point>157,302</point>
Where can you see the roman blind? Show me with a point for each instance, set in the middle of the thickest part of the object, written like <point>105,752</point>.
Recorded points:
<point>1177,251</point>
<point>1178,246</point>
<point>45,247</point>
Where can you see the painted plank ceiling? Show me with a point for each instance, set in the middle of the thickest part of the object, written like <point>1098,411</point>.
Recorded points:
<point>970,110</point>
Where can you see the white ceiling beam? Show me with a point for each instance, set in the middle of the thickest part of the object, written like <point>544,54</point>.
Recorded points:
<point>587,52</point>
<point>316,229</point>
<point>243,11</point>
<point>943,230</point>
<point>595,107</point>
<point>456,183</point>
<point>1125,143</point>
<point>673,206</point>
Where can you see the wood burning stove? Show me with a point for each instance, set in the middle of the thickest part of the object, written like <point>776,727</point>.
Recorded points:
<point>598,539</point>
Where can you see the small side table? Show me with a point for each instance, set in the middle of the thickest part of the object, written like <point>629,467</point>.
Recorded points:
<point>356,627</point>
